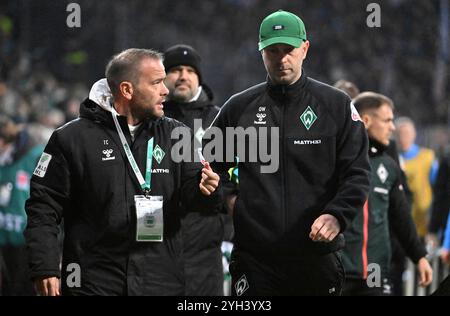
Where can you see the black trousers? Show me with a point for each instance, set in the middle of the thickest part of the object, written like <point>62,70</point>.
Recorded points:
<point>266,275</point>
<point>444,288</point>
<point>14,272</point>
<point>202,238</point>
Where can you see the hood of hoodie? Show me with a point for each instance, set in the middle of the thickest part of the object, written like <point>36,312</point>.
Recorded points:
<point>98,106</point>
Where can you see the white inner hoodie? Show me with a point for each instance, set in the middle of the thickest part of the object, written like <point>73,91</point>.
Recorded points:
<point>101,94</point>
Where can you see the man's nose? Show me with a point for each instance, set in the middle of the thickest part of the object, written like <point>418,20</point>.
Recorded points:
<point>283,58</point>
<point>183,74</point>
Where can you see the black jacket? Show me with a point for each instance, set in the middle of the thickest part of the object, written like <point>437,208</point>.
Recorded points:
<point>202,109</point>
<point>323,169</point>
<point>203,232</point>
<point>95,196</point>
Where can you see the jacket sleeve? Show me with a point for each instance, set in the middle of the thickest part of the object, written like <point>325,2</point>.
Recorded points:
<point>49,195</point>
<point>402,224</point>
<point>353,168</point>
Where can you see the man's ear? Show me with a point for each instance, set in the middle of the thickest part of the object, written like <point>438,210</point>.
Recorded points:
<point>305,47</point>
<point>367,120</point>
<point>126,89</point>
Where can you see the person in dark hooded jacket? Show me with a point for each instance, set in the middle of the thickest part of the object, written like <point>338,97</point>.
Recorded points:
<point>111,176</point>
<point>190,102</point>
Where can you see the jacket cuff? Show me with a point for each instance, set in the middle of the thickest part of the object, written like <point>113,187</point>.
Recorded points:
<point>45,274</point>
<point>341,219</point>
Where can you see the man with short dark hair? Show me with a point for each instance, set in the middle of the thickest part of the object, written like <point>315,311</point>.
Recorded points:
<point>110,175</point>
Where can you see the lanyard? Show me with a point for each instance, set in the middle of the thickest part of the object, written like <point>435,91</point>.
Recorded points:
<point>145,184</point>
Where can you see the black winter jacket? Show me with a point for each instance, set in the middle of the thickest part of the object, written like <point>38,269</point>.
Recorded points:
<point>95,196</point>
<point>323,168</point>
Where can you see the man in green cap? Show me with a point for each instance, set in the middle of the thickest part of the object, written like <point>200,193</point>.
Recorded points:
<point>289,223</point>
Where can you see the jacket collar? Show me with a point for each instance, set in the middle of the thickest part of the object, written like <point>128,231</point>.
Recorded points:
<point>376,148</point>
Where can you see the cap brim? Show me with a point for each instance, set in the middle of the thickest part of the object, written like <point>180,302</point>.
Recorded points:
<point>296,42</point>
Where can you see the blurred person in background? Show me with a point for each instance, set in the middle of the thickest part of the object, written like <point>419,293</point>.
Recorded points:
<point>18,157</point>
<point>190,98</point>
<point>368,237</point>
<point>348,87</point>
<point>421,168</point>
<point>441,197</point>
<point>440,219</point>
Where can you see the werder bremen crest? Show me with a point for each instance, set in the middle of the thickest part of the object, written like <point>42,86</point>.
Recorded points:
<point>382,173</point>
<point>308,117</point>
<point>158,154</point>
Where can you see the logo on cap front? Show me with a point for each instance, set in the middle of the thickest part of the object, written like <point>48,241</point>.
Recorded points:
<point>278,27</point>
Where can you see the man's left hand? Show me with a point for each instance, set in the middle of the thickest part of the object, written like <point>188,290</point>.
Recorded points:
<point>325,228</point>
<point>210,180</point>
<point>425,272</point>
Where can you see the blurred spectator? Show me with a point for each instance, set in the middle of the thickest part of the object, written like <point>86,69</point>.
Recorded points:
<point>348,87</point>
<point>445,253</point>
<point>420,167</point>
<point>441,196</point>
<point>440,219</point>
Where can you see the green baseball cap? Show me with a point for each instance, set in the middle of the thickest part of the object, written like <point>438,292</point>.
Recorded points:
<point>281,27</point>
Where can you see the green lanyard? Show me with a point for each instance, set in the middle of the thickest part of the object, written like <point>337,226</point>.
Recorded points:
<point>145,184</point>
<point>148,169</point>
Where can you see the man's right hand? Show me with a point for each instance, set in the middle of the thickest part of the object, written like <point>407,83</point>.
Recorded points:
<point>47,286</point>
<point>425,272</point>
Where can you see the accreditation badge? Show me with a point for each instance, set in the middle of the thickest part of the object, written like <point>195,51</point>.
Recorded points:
<point>150,221</point>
